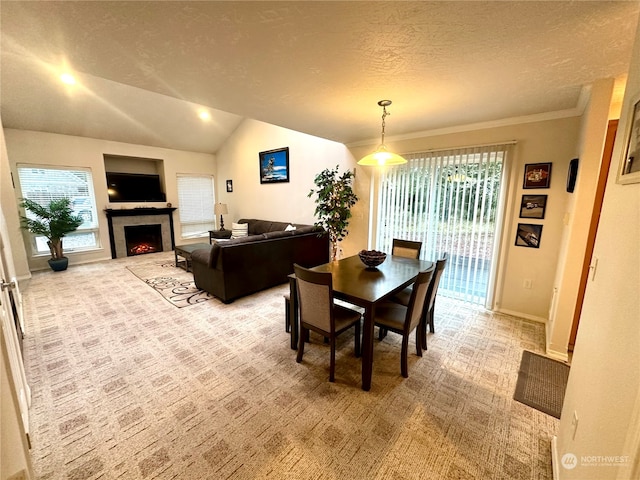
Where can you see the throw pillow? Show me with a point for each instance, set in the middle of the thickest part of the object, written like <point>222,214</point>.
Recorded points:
<point>239,230</point>
<point>289,228</point>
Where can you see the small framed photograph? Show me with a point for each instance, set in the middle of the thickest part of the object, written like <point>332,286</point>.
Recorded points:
<point>533,206</point>
<point>537,175</point>
<point>629,171</point>
<point>274,165</point>
<point>229,185</point>
<point>528,235</point>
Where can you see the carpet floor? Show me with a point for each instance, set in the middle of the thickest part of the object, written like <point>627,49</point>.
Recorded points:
<point>127,386</point>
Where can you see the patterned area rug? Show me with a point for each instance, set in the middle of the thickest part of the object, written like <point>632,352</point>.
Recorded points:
<point>126,386</point>
<point>542,383</point>
<point>174,284</point>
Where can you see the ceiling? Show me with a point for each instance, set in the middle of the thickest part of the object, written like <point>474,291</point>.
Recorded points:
<point>145,68</point>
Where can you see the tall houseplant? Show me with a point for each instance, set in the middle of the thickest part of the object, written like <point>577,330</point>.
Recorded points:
<point>52,221</point>
<point>333,204</point>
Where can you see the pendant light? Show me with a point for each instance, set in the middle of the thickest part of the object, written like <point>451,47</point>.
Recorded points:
<point>382,156</point>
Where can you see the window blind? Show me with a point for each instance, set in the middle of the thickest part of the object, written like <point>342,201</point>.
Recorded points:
<point>448,200</point>
<point>196,197</point>
<point>43,184</point>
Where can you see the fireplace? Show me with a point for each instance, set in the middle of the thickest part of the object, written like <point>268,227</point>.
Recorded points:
<point>143,239</point>
<point>121,221</point>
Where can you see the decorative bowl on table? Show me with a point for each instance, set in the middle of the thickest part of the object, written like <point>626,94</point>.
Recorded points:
<point>372,258</point>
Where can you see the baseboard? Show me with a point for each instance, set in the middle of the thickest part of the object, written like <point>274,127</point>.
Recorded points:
<point>555,461</point>
<point>526,316</point>
<point>563,356</point>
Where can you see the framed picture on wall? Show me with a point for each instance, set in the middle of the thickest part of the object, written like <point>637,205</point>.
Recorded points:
<point>528,235</point>
<point>533,206</point>
<point>274,165</point>
<point>629,171</point>
<point>537,175</point>
<point>229,185</point>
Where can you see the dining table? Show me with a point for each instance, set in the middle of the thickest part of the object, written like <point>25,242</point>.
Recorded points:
<point>365,287</point>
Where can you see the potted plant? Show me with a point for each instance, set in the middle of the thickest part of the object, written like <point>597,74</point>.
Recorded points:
<point>333,205</point>
<point>53,221</point>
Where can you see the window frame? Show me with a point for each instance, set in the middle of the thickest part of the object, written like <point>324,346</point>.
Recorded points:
<point>93,229</point>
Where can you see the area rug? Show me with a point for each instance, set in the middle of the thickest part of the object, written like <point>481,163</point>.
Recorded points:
<point>174,284</point>
<point>542,383</point>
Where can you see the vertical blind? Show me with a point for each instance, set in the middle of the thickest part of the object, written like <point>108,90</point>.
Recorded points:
<point>196,197</point>
<point>448,200</point>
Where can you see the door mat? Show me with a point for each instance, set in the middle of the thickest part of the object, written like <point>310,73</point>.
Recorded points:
<point>174,284</point>
<point>541,383</point>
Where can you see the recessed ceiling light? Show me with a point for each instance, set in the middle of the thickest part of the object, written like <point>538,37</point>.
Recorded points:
<point>204,115</point>
<point>68,79</point>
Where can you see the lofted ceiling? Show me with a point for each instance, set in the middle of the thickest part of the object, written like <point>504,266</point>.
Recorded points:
<point>144,69</point>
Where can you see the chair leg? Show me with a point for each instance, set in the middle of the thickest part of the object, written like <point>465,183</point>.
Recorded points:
<point>357,346</point>
<point>418,341</point>
<point>403,356</point>
<point>304,332</point>
<point>382,332</point>
<point>423,331</point>
<point>431,315</point>
<point>332,362</point>
<point>287,319</point>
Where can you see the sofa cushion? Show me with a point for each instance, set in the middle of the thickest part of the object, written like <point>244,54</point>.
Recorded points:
<point>240,230</point>
<point>289,227</point>
<point>278,234</point>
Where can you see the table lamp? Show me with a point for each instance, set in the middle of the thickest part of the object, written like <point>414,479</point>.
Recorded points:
<point>220,209</point>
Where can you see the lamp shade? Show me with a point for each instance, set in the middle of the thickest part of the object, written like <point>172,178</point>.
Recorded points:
<point>382,157</point>
<point>220,209</point>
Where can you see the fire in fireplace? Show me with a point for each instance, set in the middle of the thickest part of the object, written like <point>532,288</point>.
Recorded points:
<point>143,239</point>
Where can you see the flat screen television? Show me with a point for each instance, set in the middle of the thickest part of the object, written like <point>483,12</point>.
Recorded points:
<point>134,187</point>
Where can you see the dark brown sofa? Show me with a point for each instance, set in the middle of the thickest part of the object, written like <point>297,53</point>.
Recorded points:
<point>237,267</point>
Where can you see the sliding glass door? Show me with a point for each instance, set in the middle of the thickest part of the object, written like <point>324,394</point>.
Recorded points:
<point>449,200</point>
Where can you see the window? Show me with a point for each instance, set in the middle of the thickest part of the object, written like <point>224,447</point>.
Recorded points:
<point>43,184</point>
<point>196,202</point>
<point>449,201</point>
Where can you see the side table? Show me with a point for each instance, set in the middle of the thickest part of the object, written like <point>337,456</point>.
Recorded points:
<point>219,235</point>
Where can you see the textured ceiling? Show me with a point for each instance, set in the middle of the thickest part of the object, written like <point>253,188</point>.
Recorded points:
<point>317,67</point>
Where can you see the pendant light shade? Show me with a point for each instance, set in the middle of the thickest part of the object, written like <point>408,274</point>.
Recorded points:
<point>382,156</point>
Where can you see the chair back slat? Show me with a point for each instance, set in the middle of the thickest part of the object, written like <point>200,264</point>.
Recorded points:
<point>406,248</point>
<point>418,300</point>
<point>315,304</point>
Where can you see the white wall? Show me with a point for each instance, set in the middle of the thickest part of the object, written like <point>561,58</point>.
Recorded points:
<point>542,141</point>
<point>287,202</point>
<point>63,150</point>
<point>14,452</point>
<point>604,382</point>
<point>578,219</point>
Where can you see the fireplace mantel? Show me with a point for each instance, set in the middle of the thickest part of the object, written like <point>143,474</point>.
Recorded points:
<point>138,216</point>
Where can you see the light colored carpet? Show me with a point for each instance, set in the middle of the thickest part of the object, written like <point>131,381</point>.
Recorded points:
<point>175,284</point>
<point>128,386</point>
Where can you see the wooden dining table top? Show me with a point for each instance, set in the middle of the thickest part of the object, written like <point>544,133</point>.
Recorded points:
<point>361,285</point>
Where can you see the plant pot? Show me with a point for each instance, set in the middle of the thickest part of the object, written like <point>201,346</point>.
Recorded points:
<point>59,264</point>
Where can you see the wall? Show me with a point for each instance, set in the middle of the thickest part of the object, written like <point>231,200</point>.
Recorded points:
<point>604,382</point>
<point>578,219</point>
<point>542,141</point>
<point>14,451</point>
<point>63,150</point>
<point>286,202</point>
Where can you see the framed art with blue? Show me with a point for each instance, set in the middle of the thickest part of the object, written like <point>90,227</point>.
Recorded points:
<point>274,165</point>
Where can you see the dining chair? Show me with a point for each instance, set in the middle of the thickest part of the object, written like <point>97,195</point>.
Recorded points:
<point>406,248</point>
<point>319,313</point>
<point>403,320</point>
<point>431,300</point>
<point>403,297</point>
